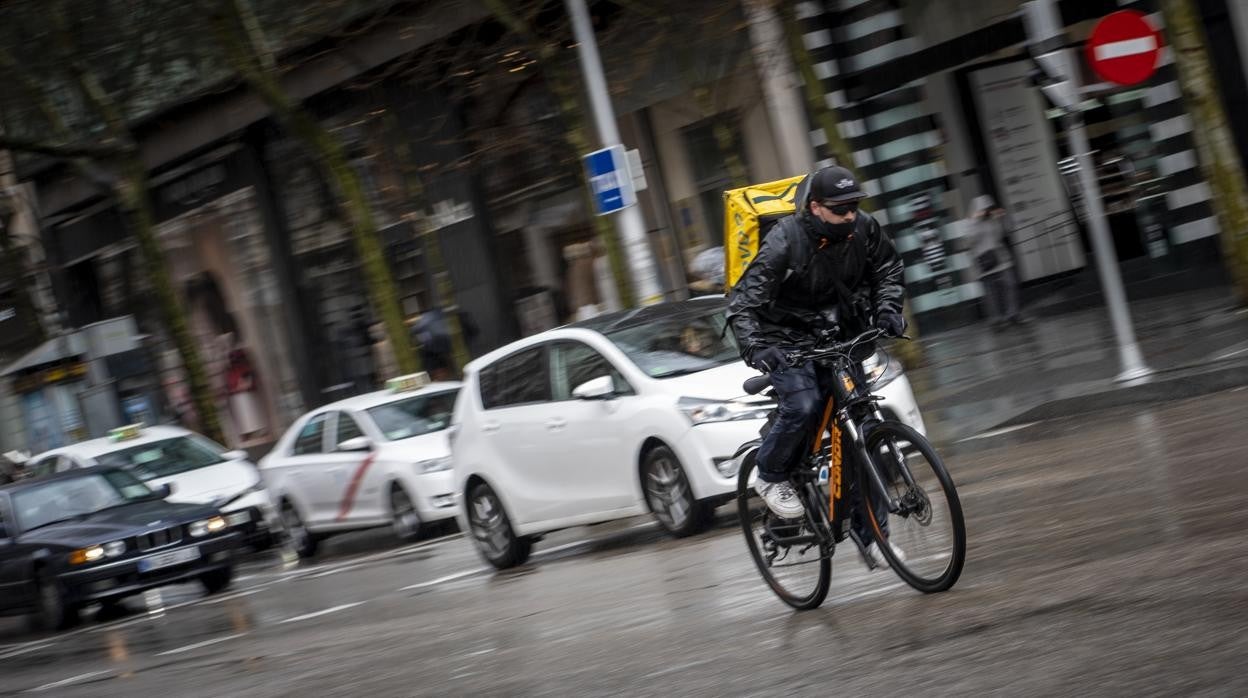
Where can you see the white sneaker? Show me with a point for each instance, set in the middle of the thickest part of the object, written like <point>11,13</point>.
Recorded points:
<point>781,499</point>
<point>877,556</point>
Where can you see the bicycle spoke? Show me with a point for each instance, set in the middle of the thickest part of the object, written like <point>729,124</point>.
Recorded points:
<point>926,533</point>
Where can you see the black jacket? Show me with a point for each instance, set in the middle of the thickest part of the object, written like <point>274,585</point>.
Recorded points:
<point>789,292</point>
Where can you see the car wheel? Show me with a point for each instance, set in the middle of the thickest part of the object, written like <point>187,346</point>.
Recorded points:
<point>218,580</point>
<point>301,539</point>
<point>669,495</point>
<point>496,540</point>
<point>54,612</point>
<point>404,518</point>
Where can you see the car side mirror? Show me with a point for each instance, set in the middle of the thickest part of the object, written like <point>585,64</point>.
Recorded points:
<point>165,491</point>
<point>356,444</point>
<point>235,455</point>
<point>601,388</point>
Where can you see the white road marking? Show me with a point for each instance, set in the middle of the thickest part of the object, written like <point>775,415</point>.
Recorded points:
<point>1229,354</point>
<point>998,432</point>
<point>318,571</point>
<point>1126,47</point>
<point>443,580</point>
<point>875,591</point>
<point>197,645</point>
<point>23,650</point>
<point>325,612</point>
<point>70,680</point>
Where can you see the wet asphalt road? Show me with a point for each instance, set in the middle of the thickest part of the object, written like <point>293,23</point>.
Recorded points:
<point>1107,555</point>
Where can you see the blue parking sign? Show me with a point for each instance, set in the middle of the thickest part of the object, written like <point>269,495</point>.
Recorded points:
<point>610,179</point>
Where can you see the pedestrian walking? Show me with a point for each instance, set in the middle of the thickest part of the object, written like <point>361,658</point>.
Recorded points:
<point>992,261</point>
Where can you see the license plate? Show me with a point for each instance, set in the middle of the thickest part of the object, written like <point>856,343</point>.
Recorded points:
<point>238,518</point>
<point>169,559</point>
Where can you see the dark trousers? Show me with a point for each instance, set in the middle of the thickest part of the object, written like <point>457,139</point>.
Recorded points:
<point>801,395</point>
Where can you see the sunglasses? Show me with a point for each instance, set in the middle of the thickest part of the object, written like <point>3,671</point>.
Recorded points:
<point>840,209</point>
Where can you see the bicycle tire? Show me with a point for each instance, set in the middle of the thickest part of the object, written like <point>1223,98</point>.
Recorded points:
<point>801,602</point>
<point>957,554</point>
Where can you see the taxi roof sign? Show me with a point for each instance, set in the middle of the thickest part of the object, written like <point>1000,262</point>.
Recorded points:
<point>410,382</point>
<point>129,431</point>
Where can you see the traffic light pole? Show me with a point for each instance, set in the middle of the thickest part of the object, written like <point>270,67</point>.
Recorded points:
<point>629,221</point>
<point>1046,42</point>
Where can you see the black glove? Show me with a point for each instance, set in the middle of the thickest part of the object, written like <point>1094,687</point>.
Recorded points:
<point>893,324</point>
<point>767,359</point>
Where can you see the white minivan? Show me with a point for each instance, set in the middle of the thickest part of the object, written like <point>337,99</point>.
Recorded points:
<point>630,412</point>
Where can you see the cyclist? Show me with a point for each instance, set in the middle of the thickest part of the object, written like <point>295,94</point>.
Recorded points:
<point>828,270</point>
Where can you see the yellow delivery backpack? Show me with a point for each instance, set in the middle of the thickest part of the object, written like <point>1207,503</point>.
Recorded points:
<point>749,213</point>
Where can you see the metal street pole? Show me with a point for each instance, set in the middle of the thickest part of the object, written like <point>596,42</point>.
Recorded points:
<point>1046,42</point>
<point>629,222</point>
<point>1130,360</point>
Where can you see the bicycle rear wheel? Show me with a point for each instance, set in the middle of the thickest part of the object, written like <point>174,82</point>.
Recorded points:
<point>925,542</point>
<point>798,573</point>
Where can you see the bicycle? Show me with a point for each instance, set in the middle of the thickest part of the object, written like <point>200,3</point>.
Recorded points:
<point>883,455</point>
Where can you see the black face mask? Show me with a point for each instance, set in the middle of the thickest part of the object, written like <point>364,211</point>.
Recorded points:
<point>834,232</point>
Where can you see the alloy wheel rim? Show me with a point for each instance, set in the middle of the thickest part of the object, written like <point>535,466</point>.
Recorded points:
<point>666,488</point>
<point>488,525</point>
<point>405,520</point>
<point>294,526</point>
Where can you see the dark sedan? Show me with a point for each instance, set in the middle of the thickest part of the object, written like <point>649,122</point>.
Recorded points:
<point>100,535</point>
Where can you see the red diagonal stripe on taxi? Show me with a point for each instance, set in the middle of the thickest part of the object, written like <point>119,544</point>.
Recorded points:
<point>348,498</point>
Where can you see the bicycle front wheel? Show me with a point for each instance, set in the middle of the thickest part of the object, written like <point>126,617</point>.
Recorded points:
<point>799,572</point>
<point>924,542</point>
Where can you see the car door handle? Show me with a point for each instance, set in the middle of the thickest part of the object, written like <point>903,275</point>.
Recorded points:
<point>490,427</point>
<point>556,423</point>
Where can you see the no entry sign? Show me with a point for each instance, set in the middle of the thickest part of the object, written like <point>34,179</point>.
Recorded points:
<point>1124,48</point>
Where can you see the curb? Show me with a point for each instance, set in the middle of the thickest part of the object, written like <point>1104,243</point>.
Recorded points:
<point>1176,384</point>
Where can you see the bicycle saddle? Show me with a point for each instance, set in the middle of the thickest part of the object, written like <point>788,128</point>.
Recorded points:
<point>756,385</point>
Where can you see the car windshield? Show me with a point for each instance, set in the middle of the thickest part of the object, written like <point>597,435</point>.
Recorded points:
<point>414,416</point>
<point>165,458</point>
<point>687,342</point>
<point>69,498</point>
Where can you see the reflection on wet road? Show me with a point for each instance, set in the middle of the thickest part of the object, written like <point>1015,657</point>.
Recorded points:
<point>1106,552</point>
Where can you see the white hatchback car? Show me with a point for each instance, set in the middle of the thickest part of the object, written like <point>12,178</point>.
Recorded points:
<point>200,470</point>
<point>373,460</point>
<point>630,412</point>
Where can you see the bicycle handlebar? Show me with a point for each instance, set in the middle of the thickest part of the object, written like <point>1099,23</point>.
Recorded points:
<point>836,348</point>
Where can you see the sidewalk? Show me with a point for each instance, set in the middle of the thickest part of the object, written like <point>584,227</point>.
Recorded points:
<point>975,380</point>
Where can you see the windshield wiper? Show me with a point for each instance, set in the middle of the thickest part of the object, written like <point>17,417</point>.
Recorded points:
<point>681,372</point>
<point>68,519</point>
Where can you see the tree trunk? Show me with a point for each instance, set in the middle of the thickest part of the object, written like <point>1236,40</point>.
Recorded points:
<point>261,75</point>
<point>132,193</point>
<point>1219,158</point>
<point>13,266</point>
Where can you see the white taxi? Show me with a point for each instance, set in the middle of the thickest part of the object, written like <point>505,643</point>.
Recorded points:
<point>371,460</point>
<point>200,470</point>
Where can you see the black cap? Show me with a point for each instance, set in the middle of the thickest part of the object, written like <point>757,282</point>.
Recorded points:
<point>835,184</point>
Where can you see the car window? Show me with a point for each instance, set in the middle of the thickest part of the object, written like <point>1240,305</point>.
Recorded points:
<point>415,416</point>
<point>44,466</point>
<point>576,363</point>
<point>679,344</point>
<point>311,437</point>
<point>347,428</point>
<point>69,498</point>
<point>520,379</point>
<point>165,458</point>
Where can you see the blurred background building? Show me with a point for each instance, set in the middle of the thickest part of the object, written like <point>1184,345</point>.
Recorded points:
<point>460,139</point>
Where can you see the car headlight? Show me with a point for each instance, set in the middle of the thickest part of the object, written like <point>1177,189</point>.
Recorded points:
<point>201,528</point>
<point>881,369</point>
<point>96,553</point>
<point>433,465</point>
<point>700,411</point>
